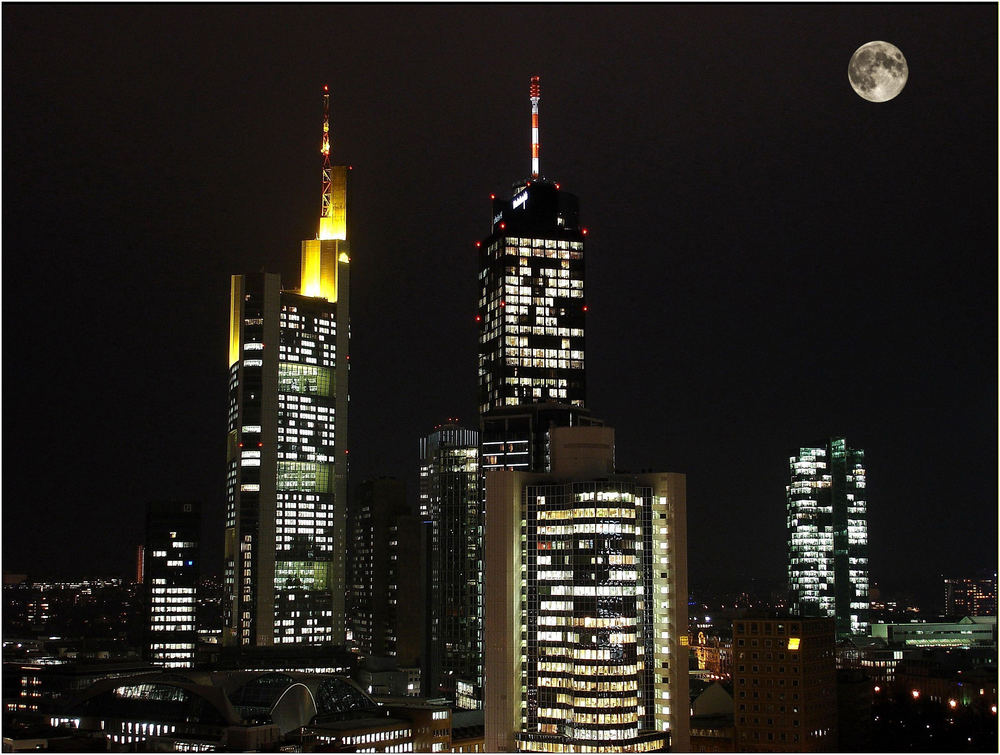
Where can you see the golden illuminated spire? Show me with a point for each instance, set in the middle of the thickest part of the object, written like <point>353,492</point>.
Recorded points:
<point>322,256</point>
<point>326,215</point>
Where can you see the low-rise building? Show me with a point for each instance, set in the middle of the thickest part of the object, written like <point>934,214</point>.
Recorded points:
<point>784,680</point>
<point>966,632</point>
<point>201,711</point>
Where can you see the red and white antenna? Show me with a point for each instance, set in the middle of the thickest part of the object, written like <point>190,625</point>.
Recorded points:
<point>327,206</point>
<point>535,92</point>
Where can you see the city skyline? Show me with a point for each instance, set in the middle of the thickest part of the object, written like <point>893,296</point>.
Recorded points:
<point>772,260</point>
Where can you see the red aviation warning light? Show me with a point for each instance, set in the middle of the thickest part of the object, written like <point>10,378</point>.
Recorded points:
<point>535,94</point>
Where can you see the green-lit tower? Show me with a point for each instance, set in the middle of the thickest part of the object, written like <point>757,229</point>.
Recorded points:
<point>827,519</point>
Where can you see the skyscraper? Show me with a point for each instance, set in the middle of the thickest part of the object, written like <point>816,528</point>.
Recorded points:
<point>286,479</point>
<point>450,501</point>
<point>827,523</point>
<point>384,570</point>
<point>171,566</point>
<point>531,294</point>
<point>586,604</point>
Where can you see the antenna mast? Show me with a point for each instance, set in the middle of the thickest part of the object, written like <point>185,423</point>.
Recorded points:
<point>327,206</point>
<point>535,92</point>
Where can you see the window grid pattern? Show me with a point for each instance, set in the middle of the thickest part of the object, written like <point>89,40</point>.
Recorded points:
<point>450,500</point>
<point>588,633</point>
<point>827,524</point>
<point>304,501</point>
<point>531,308</point>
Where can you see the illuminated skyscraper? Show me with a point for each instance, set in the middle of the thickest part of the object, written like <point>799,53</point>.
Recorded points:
<point>286,454</point>
<point>171,565</point>
<point>586,604</point>
<point>531,299</point>
<point>827,520</point>
<point>450,501</point>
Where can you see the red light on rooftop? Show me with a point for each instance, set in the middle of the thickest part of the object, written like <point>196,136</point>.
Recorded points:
<point>479,243</point>
<point>528,184</point>
<point>493,196</point>
<point>584,307</point>
<point>478,318</point>
<point>503,304</point>
<point>260,445</point>
<point>557,187</point>
<point>241,445</point>
<point>502,226</point>
<point>326,88</point>
<point>584,231</point>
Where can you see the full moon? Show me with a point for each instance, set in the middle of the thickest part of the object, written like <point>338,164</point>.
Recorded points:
<point>877,71</point>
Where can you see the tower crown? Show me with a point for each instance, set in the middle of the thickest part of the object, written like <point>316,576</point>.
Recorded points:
<point>324,256</point>
<point>332,224</point>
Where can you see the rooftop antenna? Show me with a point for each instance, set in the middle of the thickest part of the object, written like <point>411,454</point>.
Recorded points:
<point>535,92</point>
<point>326,211</point>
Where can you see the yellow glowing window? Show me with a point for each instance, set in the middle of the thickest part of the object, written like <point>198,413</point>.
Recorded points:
<point>793,643</point>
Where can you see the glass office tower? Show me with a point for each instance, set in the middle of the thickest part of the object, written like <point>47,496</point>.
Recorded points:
<point>586,604</point>
<point>171,567</point>
<point>827,521</point>
<point>531,300</point>
<point>286,479</point>
<point>451,503</point>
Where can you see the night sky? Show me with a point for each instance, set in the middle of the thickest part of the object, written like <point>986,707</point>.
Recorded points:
<point>771,259</point>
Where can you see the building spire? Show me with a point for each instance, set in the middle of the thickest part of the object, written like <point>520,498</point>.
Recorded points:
<point>326,209</point>
<point>535,93</point>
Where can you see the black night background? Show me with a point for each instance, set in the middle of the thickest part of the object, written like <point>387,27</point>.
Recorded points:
<point>772,260</point>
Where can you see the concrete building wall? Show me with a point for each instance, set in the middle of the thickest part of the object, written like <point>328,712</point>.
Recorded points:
<point>502,609</point>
